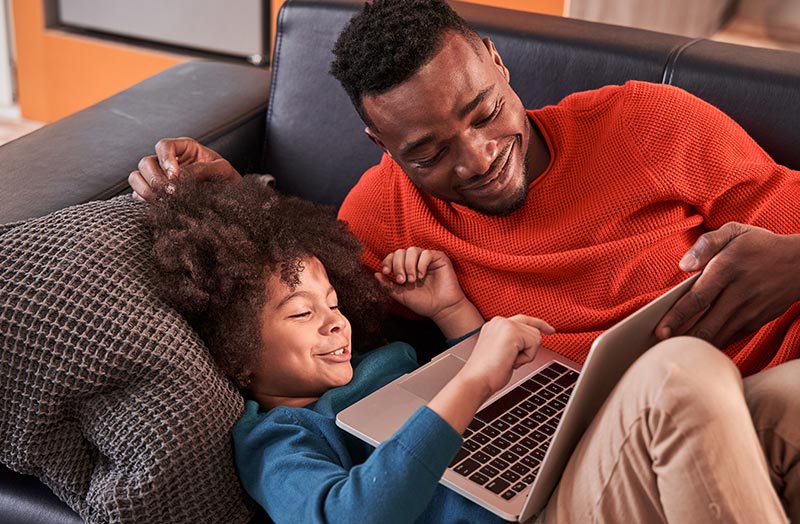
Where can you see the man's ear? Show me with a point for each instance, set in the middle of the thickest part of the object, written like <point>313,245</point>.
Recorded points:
<point>497,60</point>
<point>376,140</point>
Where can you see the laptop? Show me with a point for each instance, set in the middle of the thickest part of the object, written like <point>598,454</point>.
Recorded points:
<point>518,444</point>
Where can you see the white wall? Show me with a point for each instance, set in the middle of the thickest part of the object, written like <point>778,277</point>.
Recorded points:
<point>6,76</point>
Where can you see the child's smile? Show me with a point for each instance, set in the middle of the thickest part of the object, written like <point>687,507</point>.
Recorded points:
<point>306,346</point>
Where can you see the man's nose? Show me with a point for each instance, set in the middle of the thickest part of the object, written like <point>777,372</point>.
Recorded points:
<point>476,155</point>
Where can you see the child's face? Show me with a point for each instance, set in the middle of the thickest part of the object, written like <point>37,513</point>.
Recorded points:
<point>305,341</point>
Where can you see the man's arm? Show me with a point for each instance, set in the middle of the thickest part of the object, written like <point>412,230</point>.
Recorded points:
<point>749,202</point>
<point>749,278</point>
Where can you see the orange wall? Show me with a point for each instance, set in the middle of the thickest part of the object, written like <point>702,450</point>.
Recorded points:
<point>59,73</point>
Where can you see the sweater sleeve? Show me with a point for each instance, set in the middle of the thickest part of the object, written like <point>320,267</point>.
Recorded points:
<point>705,158</point>
<point>300,471</point>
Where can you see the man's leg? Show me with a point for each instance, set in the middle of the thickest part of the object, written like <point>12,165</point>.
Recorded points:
<point>773,397</point>
<point>673,443</point>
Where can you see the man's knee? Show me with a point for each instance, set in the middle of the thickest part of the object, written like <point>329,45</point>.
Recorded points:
<point>691,367</point>
<point>774,395</point>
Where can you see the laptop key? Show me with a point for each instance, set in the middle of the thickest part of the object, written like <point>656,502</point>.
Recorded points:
<point>508,495</point>
<point>531,462</point>
<point>521,429</point>
<point>511,436</point>
<point>550,372</point>
<point>491,431</point>
<point>567,380</point>
<point>500,425</point>
<point>509,457</point>
<point>503,404</point>
<point>492,450</point>
<point>481,457</point>
<point>461,455</point>
<point>471,445</point>
<point>480,438</point>
<point>499,463</point>
<point>501,443</point>
<point>560,368</point>
<point>467,467</point>
<point>479,478</point>
<point>520,468</point>
<point>490,471</point>
<point>498,486</point>
<point>528,479</point>
<point>509,419</point>
<point>519,486</point>
<point>510,476</point>
<point>547,429</point>
<point>475,425</point>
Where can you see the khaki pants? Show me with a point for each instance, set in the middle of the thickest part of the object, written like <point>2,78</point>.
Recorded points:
<point>683,439</point>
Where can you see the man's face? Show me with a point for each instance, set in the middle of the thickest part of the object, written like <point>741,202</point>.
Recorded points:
<point>457,128</point>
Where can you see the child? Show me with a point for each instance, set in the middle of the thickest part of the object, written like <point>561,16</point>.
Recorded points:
<point>268,281</point>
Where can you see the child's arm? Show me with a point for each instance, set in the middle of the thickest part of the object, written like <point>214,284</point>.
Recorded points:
<point>425,282</point>
<point>300,469</point>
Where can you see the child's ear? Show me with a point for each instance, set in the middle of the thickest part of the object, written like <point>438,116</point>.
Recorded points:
<point>244,379</point>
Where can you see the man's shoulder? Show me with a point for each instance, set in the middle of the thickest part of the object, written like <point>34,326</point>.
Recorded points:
<point>632,90</point>
<point>369,188</point>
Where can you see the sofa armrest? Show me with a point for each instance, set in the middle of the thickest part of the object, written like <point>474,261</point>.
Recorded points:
<point>89,155</point>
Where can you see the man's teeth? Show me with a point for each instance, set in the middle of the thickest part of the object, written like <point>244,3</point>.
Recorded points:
<point>339,351</point>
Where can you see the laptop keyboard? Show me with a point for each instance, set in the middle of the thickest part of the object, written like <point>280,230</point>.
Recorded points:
<point>506,441</point>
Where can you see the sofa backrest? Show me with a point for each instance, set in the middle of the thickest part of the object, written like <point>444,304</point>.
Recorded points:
<point>315,143</point>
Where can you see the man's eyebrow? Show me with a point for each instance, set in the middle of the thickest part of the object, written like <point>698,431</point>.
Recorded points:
<point>462,113</point>
<point>406,149</point>
<point>467,109</point>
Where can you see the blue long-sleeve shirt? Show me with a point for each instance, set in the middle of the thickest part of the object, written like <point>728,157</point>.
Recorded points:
<point>301,467</point>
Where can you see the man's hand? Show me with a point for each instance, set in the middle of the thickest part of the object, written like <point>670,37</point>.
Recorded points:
<point>749,278</point>
<point>178,158</point>
<point>425,282</point>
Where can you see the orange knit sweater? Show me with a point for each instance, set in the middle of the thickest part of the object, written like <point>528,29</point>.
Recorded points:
<point>637,173</point>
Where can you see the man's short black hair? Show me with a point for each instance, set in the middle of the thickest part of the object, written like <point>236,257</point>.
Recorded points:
<point>388,42</point>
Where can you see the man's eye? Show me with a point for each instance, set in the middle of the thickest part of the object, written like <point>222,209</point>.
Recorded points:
<point>428,162</point>
<point>335,308</point>
<point>491,116</point>
<point>300,315</point>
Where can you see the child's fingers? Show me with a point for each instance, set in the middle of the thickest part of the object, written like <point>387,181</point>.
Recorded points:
<point>537,323</point>
<point>411,260</point>
<point>425,259</point>
<point>399,266</point>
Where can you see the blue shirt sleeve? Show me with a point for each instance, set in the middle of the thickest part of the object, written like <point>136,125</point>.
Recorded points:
<point>295,464</point>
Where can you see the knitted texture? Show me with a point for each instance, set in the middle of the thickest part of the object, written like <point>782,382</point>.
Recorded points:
<point>107,395</point>
<point>638,172</point>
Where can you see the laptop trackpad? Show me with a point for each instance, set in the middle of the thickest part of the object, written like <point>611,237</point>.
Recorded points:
<point>431,379</point>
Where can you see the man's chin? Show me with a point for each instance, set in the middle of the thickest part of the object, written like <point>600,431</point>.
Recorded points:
<point>505,207</point>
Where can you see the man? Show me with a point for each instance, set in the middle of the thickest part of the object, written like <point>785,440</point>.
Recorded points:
<point>579,213</point>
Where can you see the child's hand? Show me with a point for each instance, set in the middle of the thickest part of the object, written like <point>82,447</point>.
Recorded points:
<point>423,280</point>
<point>504,344</point>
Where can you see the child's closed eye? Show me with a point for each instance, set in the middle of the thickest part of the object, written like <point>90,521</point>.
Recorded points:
<point>300,315</point>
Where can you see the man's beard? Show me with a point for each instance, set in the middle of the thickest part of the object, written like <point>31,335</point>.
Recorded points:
<point>516,201</point>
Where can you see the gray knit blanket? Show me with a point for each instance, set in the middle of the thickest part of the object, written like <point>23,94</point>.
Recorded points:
<point>106,394</point>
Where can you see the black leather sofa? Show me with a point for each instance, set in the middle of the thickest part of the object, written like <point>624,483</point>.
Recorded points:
<point>295,122</point>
